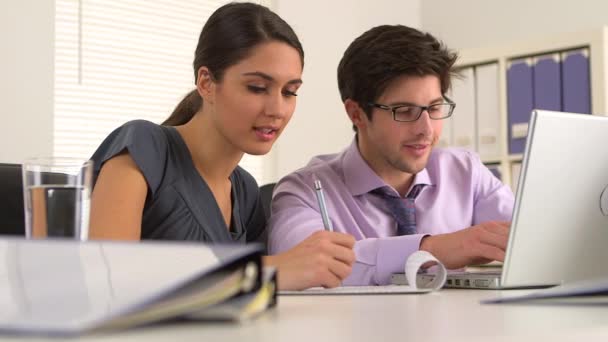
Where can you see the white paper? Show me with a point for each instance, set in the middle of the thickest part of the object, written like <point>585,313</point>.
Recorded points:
<point>415,263</point>
<point>419,261</point>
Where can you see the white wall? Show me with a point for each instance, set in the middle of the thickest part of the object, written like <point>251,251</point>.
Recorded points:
<point>326,28</point>
<point>479,23</point>
<point>26,81</point>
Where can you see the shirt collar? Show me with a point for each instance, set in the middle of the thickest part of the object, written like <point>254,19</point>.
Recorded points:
<point>361,179</point>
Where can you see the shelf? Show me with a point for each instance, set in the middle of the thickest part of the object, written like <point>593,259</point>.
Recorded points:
<point>516,157</point>
<point>481,120</point>
<point>491,160</point>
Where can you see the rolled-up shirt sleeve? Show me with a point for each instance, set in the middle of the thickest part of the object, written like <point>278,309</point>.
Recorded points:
<point>379,258</point>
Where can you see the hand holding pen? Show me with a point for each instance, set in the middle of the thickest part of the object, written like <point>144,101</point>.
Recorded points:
<point>325,258</point>
<point>322,206</point>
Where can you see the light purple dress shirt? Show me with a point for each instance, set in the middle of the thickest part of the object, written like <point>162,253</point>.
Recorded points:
<point>460,192</point>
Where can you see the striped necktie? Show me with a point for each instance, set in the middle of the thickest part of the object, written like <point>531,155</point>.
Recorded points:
<point>403,210</point>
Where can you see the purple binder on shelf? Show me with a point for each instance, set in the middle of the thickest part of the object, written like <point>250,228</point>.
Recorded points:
<point>576,85</point>
<point>547,82</point>
<point>495,169</point>
<point>519,102</point>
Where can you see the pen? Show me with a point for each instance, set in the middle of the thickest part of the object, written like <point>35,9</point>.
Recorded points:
<point>322,206</point>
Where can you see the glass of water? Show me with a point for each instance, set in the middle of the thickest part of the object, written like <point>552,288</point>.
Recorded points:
<point>57,196</point>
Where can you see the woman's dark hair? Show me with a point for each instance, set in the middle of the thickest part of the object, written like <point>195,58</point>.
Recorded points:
<point>226,39</point>
<point>386,52</point>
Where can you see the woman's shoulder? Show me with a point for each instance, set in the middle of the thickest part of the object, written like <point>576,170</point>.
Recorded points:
<point>141,125</point>
<point>140,129</point>
<point>146,143</point>
<point>141,134</point>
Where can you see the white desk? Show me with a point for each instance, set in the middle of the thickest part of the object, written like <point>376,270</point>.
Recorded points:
<point>446,316</point>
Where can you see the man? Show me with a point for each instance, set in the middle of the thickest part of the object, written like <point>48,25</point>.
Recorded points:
<point>391,189</point>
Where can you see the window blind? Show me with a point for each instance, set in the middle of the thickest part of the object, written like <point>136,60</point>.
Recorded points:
<point>119,60</point>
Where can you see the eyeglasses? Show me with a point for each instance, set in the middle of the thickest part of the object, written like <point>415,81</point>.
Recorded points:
<point>410,113</point>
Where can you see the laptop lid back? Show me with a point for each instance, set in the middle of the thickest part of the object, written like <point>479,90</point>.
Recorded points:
<point>559,231</point>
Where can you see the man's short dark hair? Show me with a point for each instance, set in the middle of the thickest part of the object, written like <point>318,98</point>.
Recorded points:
<point>386,52</point>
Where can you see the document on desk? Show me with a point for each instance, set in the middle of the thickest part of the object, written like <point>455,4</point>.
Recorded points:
<point>416,262</point>
<point>67,288</point>
<point>588,291</point>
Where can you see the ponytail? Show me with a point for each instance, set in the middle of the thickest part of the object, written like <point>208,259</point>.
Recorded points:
<point>185,110</point>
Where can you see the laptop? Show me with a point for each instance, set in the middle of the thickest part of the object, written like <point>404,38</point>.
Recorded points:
<point>559,230</point>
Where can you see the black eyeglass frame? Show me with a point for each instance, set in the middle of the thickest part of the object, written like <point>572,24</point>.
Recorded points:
<point>394,109</point>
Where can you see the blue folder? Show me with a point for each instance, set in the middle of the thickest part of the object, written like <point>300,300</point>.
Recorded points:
<point>576,85</point>
<point>547,83</point>
<point>519,100</point>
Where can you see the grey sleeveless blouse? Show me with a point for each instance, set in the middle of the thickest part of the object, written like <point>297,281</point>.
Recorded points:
<point>179,204</point>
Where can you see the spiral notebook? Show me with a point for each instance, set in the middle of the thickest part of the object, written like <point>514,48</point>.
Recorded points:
<point>414,264</point>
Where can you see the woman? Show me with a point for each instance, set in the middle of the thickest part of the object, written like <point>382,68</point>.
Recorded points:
<point>181,180</point>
